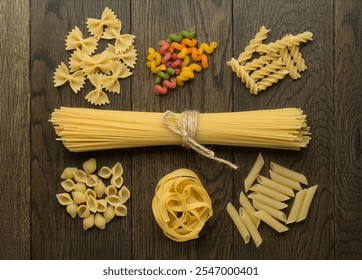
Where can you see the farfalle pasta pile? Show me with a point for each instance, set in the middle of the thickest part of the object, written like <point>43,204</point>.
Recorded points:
<point>275,61</point>
<point>87,195</point>
<point>102,69</point>
<point>177,59</point>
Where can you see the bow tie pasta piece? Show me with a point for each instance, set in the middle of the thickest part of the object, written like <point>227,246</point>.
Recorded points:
<point>75,60</point>
<point>111,83</point>
<point>128,57</point>
<point>61,76</point>
<point>75,40</point>
<point>101,62</point>
<point>108,19</point>
<point>97,96</point>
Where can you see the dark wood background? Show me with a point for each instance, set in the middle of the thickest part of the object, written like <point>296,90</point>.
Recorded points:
<point>35,226</point>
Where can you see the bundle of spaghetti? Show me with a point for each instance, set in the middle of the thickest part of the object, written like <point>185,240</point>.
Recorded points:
<point>83,129</point>
<point>275,61</point>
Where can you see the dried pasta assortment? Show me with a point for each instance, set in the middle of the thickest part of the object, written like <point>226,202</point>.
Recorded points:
<point>177,60</point>
<point>181,205</point>
<point>103,69</point>
<point>88,196</point>
<point>267,201</point>
<point>276,60</point>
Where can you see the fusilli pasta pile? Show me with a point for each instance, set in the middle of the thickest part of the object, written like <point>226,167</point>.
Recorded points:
<point>103,69</point>
<point>276,60</point>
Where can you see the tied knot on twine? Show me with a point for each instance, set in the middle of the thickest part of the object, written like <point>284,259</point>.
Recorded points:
<point>187,131</point>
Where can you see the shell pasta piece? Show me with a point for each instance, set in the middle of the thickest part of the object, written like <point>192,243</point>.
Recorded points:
<point>90,166</point>
<point>64,199</point>
<point>88,222</point>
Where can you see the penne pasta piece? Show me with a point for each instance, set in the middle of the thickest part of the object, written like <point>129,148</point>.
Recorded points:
<point>64,199</point>
<point>105,172</point>
<point>269,220</point>
<point>120,210</point>
<point>269,192</point>
<point>277,214</point>
<point>238,222</point>
<point>99,188</point>
<point>285,181</point>
<point>254,172</point>
<point>83,211</point>
<point>291,174</point>
<point>80,176</point>
<point>109,213</point>
<point>90,166</point>
<point>297,204</point>
<point>275,186</point>
<point>68,173</point>
<point>68,185</point>
<point>306,203</point>
<point>100,221</point>
<point>88,222</point>
<point>254,233</point>
<point>124,194</point>
<point>268,200</point>
<point>248,207</point>
<point>72,209</point>
<point>79,197</point>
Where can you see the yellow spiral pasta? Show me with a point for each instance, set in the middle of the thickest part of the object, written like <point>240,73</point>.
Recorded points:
<point>286,41</point>
<point>181,205</point>
<point>243,75</point>
<point>272,79</point>
<point>289,64</point>
<point>297,58</point>
<point>266,70</point>
<point>253,44</point>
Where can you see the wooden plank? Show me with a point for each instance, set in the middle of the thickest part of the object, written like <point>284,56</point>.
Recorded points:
<point>14,125</point>
<point>348,117</point>
<point>313,92</point>
<point>210,91</point>
<point>54,234</point>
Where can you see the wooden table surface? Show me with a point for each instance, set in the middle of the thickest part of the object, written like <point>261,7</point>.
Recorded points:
<point>35,226</point>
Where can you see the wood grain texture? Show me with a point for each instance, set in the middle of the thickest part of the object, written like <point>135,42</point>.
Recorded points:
<point>35,226</point>
<point>14,126</point>
<point>348,119</point>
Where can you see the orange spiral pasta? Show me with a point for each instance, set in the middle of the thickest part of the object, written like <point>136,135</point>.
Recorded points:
<point>181,205</point>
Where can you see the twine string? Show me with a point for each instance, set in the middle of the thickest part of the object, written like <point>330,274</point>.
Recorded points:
<point>187,131</point>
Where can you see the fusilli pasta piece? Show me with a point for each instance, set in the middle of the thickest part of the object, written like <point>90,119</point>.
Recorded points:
<point>289,64</point>
<point>243,75</point>
<point>272,79</point>
<point>260,62</point>
<point>61,76</point>
<point>297,58</point>
<point>286,41</point>
<point>267,69</point>
<point>253,44</point>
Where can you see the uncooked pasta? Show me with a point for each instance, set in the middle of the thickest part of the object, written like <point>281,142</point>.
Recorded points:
<point>82,129</point>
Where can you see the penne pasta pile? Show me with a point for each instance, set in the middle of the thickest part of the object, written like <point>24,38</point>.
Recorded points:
<point>268,200</point>
<point>87,196</point>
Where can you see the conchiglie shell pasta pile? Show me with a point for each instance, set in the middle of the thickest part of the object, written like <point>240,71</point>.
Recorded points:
<point>87,196</point>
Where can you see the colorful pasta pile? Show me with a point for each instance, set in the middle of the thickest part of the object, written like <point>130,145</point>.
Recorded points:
<point>87,196</point>
<point>275,61</point>
<point>177,60</point>
<point>103,69</point>
<point>181,205</point>
<point>268,199</point>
